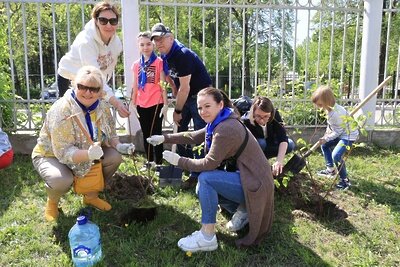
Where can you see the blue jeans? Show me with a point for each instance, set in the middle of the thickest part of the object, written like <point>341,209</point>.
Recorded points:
<point>214,183</point>
<point>333,153</point>
<point>271,149</point>
<point>190,112</point>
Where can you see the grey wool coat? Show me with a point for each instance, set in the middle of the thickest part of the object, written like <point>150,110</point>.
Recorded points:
<point>255,171</point>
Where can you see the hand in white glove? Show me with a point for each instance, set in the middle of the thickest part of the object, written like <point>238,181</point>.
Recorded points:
<point>134,111</point>
<point>155,140</point>
<point>164,112</point>
<point>95,151</point>
<point>125,148</point>
<point>171,157</point>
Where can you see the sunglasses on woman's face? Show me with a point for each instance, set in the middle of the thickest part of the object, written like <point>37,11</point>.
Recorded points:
<point>104,21</point>
<point>91,89</point>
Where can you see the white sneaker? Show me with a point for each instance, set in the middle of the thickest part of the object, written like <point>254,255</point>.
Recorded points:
<point>327,173</point>
<point>238,221</point>
<point>196,242</point>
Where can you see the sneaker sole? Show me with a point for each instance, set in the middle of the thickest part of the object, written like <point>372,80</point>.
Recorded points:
<point>209,248</point>
<point>327,175</point>
<point>343,188</point>
<point>230,229</point>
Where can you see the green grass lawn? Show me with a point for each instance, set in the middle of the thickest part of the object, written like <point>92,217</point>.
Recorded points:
<point>369,236</point>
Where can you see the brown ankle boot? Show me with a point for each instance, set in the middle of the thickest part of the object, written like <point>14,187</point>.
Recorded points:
<point>51,211</point>
<point>97,203</point>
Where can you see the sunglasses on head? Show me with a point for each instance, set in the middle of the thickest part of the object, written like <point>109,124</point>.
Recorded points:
<point>104,21</point>
<point>91,89</point>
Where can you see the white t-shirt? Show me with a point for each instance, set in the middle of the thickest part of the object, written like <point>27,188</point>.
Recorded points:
<point>337,128</point>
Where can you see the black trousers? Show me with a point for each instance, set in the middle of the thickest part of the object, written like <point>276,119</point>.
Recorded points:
<point>151,124</point>
<point>63,85</point>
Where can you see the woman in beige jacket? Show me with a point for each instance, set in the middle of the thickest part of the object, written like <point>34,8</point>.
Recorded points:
<point>63,150</point>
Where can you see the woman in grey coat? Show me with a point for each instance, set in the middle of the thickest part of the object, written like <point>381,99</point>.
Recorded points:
<point>251,186</point>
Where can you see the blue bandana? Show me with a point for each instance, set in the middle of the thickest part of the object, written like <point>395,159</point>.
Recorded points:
<point>222,115</point>
<point>143,66</point>
<point>175,46</point>
<point>87,111</point>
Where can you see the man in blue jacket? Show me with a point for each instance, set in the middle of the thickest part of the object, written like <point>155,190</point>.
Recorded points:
<point>190,76</point>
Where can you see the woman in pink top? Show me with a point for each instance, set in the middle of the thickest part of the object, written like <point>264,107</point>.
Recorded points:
<point>149,100</point>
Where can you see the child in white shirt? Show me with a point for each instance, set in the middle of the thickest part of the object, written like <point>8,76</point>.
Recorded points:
<point>338,137</point>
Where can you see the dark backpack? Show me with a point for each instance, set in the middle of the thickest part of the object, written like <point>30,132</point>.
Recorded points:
<point>230,163</point>
<point>243,104</point>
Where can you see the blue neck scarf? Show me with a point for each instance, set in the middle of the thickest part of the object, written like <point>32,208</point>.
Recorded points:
<point>222,115</point>
<point>87,111</point>
<point>175,46</point>
<point>143,67</point>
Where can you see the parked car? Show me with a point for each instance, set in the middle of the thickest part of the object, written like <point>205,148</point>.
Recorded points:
<point>120,93</point>
<point>50,92</point>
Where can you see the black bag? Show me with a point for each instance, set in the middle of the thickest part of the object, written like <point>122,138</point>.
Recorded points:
<point>230,163</point>
<point>243,104</point>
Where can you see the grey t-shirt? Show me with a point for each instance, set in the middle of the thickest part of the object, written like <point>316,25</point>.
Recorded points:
<point>5,144</point>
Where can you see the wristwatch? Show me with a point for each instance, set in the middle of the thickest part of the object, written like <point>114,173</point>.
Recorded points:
<point>177,111</point>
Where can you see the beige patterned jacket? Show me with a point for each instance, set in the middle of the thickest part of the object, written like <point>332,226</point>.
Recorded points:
<point>61,136</point>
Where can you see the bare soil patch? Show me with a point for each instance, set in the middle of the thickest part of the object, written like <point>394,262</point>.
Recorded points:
<point>134,190</point>
<point>307,200</point>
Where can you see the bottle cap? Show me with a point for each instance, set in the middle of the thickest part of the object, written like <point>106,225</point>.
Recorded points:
<point>81,220</point>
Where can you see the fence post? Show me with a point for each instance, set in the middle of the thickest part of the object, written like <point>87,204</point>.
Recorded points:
<point>130,30</point>
<point>370,47</point>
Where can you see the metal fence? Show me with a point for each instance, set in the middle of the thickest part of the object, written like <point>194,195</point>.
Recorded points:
<point>282,49</point>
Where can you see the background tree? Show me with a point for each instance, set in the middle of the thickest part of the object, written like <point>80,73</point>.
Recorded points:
<point>389,51</point>
<point>327,40</point>
<point>241,40</point>
<point>5,81</point>
<point>326,49</point>
<point>43,16</point>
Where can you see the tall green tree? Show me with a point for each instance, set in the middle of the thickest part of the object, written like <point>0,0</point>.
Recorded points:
<point>5,81</point>
<point>248,28</point>
<point>330,47</point>
<point>33,27</point>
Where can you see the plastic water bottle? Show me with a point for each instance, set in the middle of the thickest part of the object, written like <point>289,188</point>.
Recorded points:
<point>85,243</point>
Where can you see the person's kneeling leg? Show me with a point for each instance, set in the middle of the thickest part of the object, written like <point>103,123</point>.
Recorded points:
<point>228,185</point>
<point>58,178</point>
<point>205,239</point>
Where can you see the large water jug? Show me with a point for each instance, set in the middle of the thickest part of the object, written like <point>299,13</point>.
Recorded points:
<point>85,243</point>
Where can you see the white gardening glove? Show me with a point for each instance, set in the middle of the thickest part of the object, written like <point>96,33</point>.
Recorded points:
<point>134,111</point>
<point>164,112</point>
<point>125,148</point>
<point>171,157</point>
<point>155,140</point>
<point>95,151</point>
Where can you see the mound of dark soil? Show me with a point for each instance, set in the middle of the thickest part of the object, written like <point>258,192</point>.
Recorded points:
<point>129,187</point>
<point>134,191</point>
<point>305,196</point>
